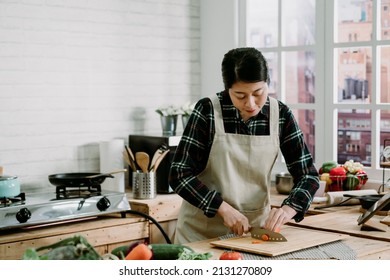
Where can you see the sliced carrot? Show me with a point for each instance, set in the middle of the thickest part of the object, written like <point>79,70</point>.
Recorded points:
<point>256,241</point>
<point>140,252</point>
<point>265,237</point>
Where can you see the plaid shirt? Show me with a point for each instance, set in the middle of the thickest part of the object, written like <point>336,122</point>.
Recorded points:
<point>192,154</point>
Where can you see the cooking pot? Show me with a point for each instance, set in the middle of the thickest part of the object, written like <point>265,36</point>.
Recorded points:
<point>284,182</point>
<point>80,179</point>
<point>9,186</point>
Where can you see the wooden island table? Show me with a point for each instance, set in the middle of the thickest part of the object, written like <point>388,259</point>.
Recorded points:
<point>342,219</point>
<point>367,244</point>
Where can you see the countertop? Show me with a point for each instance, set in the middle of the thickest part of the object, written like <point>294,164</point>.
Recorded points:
<point>368,244</point>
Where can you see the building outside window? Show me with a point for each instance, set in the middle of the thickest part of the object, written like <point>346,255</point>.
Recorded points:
<point>330,62</point>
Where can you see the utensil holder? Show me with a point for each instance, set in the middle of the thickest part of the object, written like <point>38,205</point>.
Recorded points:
<point>144,185</point>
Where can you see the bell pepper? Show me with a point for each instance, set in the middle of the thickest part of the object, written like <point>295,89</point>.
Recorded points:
<point>338,173</point>
<point>325,177</point>
<point>338,176</point>
<point>327,166</point>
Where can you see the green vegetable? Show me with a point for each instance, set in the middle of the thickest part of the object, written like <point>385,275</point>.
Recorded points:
<point>189,255</point>
<point>327,166</point>
<point>160,251</point>
<point>168,251</point>
<point>121,251</point>
<point>72,248</point>
<point>351,182</point>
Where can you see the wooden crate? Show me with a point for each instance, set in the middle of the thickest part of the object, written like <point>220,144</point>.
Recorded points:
<point>104,233</point>
<point>164,207</point>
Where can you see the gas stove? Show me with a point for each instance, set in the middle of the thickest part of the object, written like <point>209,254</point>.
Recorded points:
<point>64,204</point>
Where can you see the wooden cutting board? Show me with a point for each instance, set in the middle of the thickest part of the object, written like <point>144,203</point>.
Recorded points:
<point>297,239</point>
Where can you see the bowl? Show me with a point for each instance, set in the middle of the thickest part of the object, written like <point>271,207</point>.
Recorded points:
<point>284,182</point>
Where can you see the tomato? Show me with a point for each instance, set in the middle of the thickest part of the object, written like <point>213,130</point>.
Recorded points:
<point>231,255</point>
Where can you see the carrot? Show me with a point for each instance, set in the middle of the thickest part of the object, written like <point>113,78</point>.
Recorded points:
<point>256,241</point>
<point>140,252</point>
<point>265,237</point>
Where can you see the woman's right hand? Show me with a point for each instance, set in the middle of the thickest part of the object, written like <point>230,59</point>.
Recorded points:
<point>233,219</point>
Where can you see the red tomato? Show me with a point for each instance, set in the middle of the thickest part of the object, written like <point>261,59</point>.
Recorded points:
<point>231,255</point>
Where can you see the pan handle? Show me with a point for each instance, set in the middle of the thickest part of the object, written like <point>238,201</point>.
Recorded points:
<point>108,174</point>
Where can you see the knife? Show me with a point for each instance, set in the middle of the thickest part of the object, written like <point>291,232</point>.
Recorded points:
<point>266,235</point>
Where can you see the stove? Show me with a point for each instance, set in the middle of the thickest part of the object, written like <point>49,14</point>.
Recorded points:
<point>64,204</point>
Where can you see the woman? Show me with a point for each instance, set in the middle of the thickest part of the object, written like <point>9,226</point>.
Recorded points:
<point>222,165</point>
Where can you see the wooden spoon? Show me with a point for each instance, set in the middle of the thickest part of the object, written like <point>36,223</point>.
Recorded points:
<point>142,160</point>
<point>156,155</point>
<point>159,159</point>
<point>129,161</point>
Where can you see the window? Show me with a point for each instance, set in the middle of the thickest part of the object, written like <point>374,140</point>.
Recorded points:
<point>330,62</point>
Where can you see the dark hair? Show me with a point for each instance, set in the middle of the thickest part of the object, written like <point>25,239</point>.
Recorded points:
<point>244,64</point>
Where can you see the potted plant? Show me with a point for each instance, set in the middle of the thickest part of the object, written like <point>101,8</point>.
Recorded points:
<point>168,117</point>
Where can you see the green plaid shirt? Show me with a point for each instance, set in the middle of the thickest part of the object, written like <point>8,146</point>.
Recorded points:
<point>192,154</point>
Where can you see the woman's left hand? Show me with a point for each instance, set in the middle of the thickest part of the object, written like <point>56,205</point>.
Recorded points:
<point>278,217</point>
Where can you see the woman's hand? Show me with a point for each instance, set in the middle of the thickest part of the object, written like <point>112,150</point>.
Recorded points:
<point>233,219</point>
<point>278,217</point>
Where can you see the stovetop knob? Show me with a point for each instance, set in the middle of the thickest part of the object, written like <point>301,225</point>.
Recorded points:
<point>103,204</point>
<point>23,215</point>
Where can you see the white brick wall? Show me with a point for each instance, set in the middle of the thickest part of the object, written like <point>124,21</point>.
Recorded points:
<point>74,73</point>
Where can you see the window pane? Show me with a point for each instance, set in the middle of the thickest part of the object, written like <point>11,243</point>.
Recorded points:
<point>306,122</point>
<point>298,22</point>
<point>384,20</point>
<point>272,60</point>
<point>384,56</point>
<point>353,20</point>
<point>354,75</point>
<point>300,77</point>
<point>262,23</point>
<point>354,136</point>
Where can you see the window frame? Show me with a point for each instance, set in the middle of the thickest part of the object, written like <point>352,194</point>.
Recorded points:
<point>324,107</point>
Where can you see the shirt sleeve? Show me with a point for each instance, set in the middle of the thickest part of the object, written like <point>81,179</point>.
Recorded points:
<point>191,157</point>
<point>299,163</point>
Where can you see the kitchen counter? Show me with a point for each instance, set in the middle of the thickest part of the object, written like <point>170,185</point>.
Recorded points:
<point>342,219</point>
<point>109,231</point>
<point>367,244</point>
<point>103,232</point>
<point>365,249</point>
<point>164,208</point>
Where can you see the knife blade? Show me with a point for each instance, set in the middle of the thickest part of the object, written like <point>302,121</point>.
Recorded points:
<point>266,235</point>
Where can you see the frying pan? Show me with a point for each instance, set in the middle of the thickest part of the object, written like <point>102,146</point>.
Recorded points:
<point>80,179</point>
<point>367,201</point>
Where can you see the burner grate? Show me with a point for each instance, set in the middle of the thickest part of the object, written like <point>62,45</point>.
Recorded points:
<point>65,192</point>
<point>11,201</point>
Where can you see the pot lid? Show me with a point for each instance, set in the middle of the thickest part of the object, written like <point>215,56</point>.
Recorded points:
<point>4,178</point>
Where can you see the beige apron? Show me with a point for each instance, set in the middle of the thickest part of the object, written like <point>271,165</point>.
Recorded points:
<point>239,167</point>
